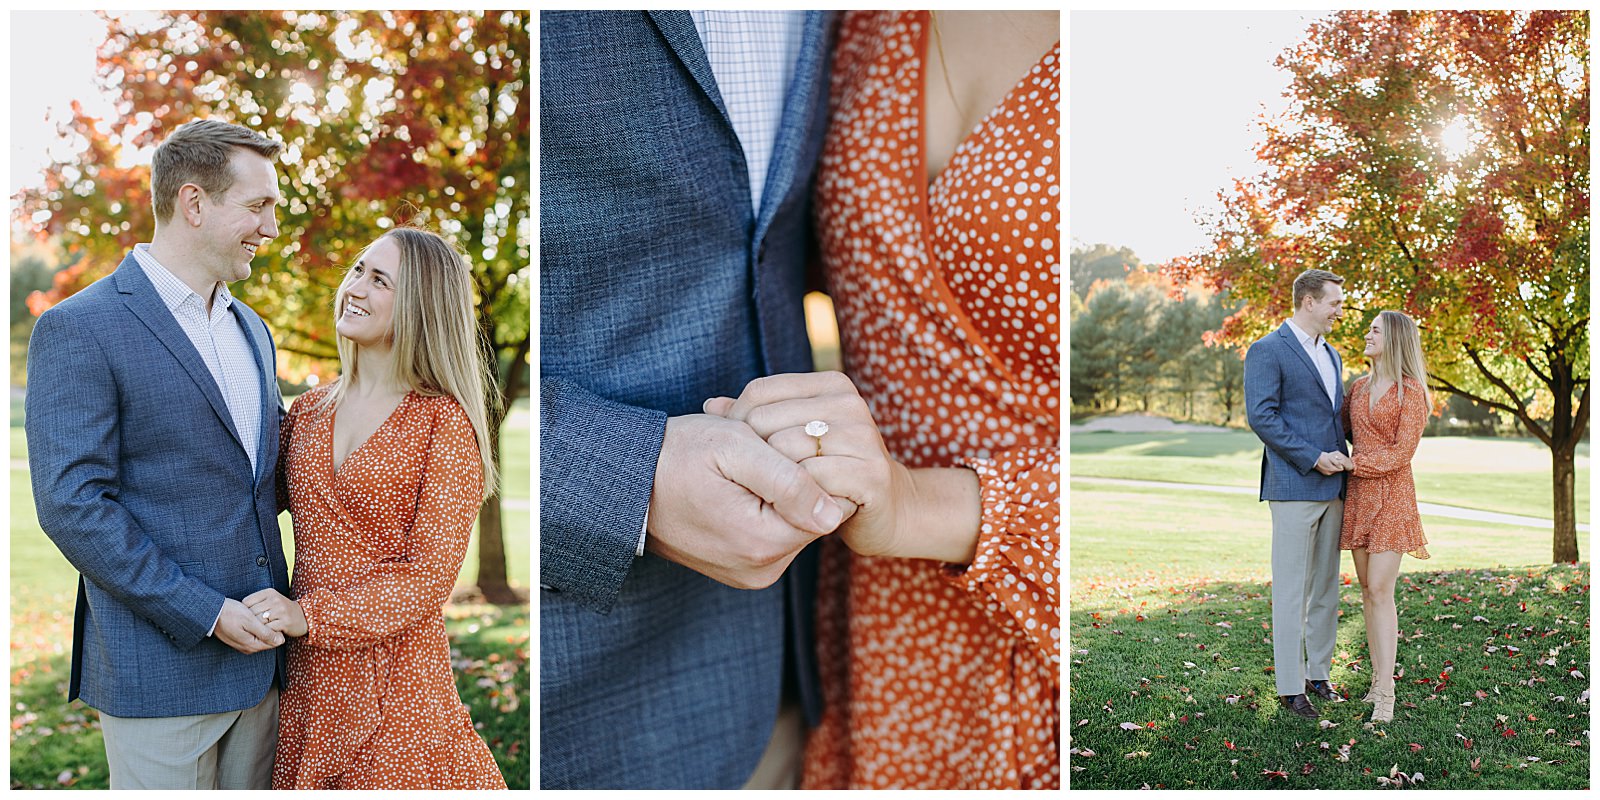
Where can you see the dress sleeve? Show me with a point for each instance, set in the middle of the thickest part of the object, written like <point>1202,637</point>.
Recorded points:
<point>404,591</point>
<point>1374,460</point>
<point>1017,565</point>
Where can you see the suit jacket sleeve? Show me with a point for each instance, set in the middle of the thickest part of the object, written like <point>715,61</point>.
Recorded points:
<point>597,464</point>
<point>1263,397</point>
<point>73,441</point>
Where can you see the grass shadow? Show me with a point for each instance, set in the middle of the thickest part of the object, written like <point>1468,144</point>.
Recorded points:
<point>1492,689</point>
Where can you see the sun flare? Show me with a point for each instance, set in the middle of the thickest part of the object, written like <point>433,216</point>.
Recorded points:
<point>1458,138</point>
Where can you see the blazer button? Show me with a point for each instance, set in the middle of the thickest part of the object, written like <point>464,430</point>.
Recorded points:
<point>261,561</point>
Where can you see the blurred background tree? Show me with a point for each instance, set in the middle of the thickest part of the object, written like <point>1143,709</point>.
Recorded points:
<point>387,117</point>
<point>1439,161</point>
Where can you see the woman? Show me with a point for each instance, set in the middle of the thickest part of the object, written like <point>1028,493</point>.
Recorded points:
<point>1384,415</point>
<point>385,470</point>
<point>939,636</point>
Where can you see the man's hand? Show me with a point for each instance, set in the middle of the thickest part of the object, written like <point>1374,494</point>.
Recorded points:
<point>277,612</point>
<point>1330,463</point>
<point>244,631</point>
<point>855,468</point>
<point>727,505</point>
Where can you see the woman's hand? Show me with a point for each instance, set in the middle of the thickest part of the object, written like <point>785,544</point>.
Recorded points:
<point>278,612</point>
<point>854,465</point>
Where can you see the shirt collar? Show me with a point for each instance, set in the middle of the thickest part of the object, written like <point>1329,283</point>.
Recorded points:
<point>1306,339</point>
<point>174,292</point>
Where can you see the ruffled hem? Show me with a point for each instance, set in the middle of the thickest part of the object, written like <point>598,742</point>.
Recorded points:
<point>1415,547</point>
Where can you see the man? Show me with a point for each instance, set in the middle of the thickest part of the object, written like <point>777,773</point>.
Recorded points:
<point>152,424</point>
<point>676,155</point>
<point>1293,391</point>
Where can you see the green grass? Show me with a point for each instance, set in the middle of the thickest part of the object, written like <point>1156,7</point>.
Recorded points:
<point>1154,572</point>
<point>55,744</point>
<point>1510,476</point>
<point>1116,529</point>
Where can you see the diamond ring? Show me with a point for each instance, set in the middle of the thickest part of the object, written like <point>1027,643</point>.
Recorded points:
<point>816,429</point>
<point>266,616</point>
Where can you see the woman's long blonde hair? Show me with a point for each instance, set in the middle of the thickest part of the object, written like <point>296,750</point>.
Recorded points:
<point>436,343</point>
<point>1402,357</point>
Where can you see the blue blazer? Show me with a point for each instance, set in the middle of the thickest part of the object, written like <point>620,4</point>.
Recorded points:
<point>1290,412</point>
<point>141,480</point>
<point>659,287</point>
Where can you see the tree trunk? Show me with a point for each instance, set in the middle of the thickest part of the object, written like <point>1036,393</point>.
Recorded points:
<point>492,579</point>
<point>1565,544</point>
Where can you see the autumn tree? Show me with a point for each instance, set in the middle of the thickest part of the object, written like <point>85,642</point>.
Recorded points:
<point>1439,161</point>
<point>388,117</point>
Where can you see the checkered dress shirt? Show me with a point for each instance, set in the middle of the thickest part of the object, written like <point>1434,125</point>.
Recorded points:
<point>752,55</point>
<point>221,343</point>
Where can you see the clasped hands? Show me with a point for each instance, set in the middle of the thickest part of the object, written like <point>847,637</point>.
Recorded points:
<point>740,490</point>
<point>1330,463</point>
<point>260,621</point>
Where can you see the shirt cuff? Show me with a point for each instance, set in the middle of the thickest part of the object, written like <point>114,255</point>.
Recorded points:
<point>639,552</point>
<point>214,622</point>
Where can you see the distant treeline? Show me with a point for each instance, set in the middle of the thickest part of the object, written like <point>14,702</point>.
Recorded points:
<point>1139,344</point>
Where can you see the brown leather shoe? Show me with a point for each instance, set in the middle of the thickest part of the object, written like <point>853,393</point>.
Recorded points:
<point>1322,689</point>
<point>1299,705</point>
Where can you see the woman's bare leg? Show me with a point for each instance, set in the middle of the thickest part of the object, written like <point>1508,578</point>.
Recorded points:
<point>1359,556</point>
<point>1382,621</point>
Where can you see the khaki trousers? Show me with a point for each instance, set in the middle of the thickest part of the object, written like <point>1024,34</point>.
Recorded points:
<point>1305,590</point>
<point>231,750</point>
<point>780,765</point>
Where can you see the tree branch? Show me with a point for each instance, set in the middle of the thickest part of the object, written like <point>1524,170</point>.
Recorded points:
<point>1483,368</point>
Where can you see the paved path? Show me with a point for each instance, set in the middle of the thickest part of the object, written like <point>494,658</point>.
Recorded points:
<point>1429,509</point>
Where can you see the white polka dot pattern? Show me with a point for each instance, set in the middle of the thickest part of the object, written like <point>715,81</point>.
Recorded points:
<point>949,300</point>
<point>371,701</point>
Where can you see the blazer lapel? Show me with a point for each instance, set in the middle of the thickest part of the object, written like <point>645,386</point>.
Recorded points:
<point>677,28</point>
<point>800,108</point>
<point>1338,371</point>
<point>260,346</point>
<point>1293,343</point>
<point>139,295</point>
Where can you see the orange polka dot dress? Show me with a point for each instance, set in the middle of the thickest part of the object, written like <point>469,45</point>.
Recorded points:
<point>371,701</point>
<point>1380,507</point>
<point>948,297</point>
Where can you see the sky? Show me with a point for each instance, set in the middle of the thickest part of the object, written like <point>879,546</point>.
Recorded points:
<point>1163,113</point>
<point>52,63</point>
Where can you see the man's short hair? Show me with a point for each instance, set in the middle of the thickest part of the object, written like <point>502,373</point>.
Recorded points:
<point>1310,283</point>
<point>200,153</point>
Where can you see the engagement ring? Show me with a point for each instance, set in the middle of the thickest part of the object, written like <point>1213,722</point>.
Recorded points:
<point>815,429</point>
<point>266,616</point>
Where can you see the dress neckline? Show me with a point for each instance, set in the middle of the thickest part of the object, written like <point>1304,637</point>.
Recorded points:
<point>335,470</point>
<point>920,104</point>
